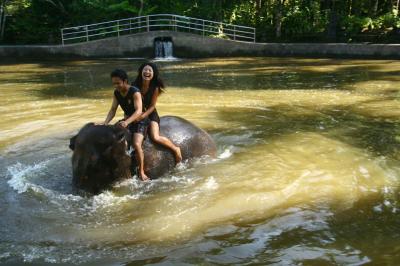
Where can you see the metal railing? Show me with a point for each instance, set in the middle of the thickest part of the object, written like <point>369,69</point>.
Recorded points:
<point>148,23</point>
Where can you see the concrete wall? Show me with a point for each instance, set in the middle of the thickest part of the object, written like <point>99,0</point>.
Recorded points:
<point>188,45</point>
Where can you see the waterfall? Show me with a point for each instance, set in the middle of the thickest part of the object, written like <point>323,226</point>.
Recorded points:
<point>163,48</point>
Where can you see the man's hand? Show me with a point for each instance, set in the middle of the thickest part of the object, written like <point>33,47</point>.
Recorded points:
<point>123,124</point>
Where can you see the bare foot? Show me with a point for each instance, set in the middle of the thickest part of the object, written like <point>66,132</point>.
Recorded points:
<point>144,177</point>
<point>178,155</point>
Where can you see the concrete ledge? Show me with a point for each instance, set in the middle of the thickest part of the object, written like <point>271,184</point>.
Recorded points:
<point>188,45</point>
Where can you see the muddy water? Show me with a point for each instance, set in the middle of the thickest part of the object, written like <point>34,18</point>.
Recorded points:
<point>307,169</point>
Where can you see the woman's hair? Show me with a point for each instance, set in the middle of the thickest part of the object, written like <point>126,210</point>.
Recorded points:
<point>156,81</point>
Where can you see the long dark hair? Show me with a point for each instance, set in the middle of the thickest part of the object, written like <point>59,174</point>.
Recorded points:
<point>156,81</point>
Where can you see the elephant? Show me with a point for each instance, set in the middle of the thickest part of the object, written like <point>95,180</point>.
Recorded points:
<point>100,152</point>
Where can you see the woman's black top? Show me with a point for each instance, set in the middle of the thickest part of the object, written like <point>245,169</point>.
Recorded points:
<point>147,102</point>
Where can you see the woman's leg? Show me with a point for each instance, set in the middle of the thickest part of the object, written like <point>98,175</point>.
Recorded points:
<point>137,143</point>
<point>155,136</point>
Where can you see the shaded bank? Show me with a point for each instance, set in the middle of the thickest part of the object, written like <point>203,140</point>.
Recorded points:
<point>188,45</point>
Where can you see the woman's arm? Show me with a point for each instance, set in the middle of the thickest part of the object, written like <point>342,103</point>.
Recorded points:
<point>152,104</point>
<point>137,100</point>
<point>112,111</point>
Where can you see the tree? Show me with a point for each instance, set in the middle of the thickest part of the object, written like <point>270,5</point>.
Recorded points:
<point>7,8</point>
<point>40,21</point>
<point>2,18</point>
<point>278,17</point>
<point>333,20</point>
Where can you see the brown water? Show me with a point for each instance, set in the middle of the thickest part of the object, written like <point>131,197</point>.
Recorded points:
<point>307,171</point>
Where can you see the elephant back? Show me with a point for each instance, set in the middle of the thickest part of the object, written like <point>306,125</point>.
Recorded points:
<point>193,141</point>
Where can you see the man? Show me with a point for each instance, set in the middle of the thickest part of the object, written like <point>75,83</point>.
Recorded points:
<point>130,100</point>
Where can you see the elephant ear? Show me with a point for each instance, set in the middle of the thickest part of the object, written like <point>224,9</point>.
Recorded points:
<point>122,134</point>
<point>119,137</point>
<point>72,142</point>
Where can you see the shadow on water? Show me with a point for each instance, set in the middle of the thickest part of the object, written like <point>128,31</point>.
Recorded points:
<point>370,223</point>
<point>146,261</point>
<point>376,135</point>
<point>288,74</point>
<point>82,78</point>
<point>344,237</point>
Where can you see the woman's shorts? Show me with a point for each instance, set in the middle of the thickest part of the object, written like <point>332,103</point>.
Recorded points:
<point>154,117</point>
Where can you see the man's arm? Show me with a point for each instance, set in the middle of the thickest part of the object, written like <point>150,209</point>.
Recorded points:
<point>112,111</point>
<point>137,100</point>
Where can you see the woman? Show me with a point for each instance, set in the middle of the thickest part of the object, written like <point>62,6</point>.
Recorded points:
<point>151,86</point>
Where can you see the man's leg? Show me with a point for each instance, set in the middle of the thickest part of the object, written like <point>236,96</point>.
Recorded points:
<point>137,143</point>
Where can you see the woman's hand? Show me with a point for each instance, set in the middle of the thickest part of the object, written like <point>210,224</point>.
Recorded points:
<point>140,118</point>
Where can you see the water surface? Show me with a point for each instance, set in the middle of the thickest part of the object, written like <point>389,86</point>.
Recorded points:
<point>307,171</point>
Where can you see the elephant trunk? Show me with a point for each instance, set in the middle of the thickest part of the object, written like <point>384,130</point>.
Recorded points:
<point>80,165</point>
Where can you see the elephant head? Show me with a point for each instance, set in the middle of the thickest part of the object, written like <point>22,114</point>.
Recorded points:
<point>99,157</point>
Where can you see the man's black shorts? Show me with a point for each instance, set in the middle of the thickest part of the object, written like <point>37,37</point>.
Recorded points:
<point>139,127</point>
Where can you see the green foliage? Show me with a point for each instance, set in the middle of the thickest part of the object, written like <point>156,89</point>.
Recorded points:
<point>40,21</point>
<point>300,21</point>
<point>355,25</point>
<point>13,6</point>
<point>388,20</point>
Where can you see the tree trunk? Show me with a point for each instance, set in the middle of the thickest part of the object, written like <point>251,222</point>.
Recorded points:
<point>333,20</point>
<point>1,14</point>
<point>259,4</point>
<point>350,7</point>
<point>278,20</point>
<point>375,8</point>
<point>397,7</point>
<point>3,26</point>
<point>141,8</point>
<point>258,12</point>
<point>2,19</point>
